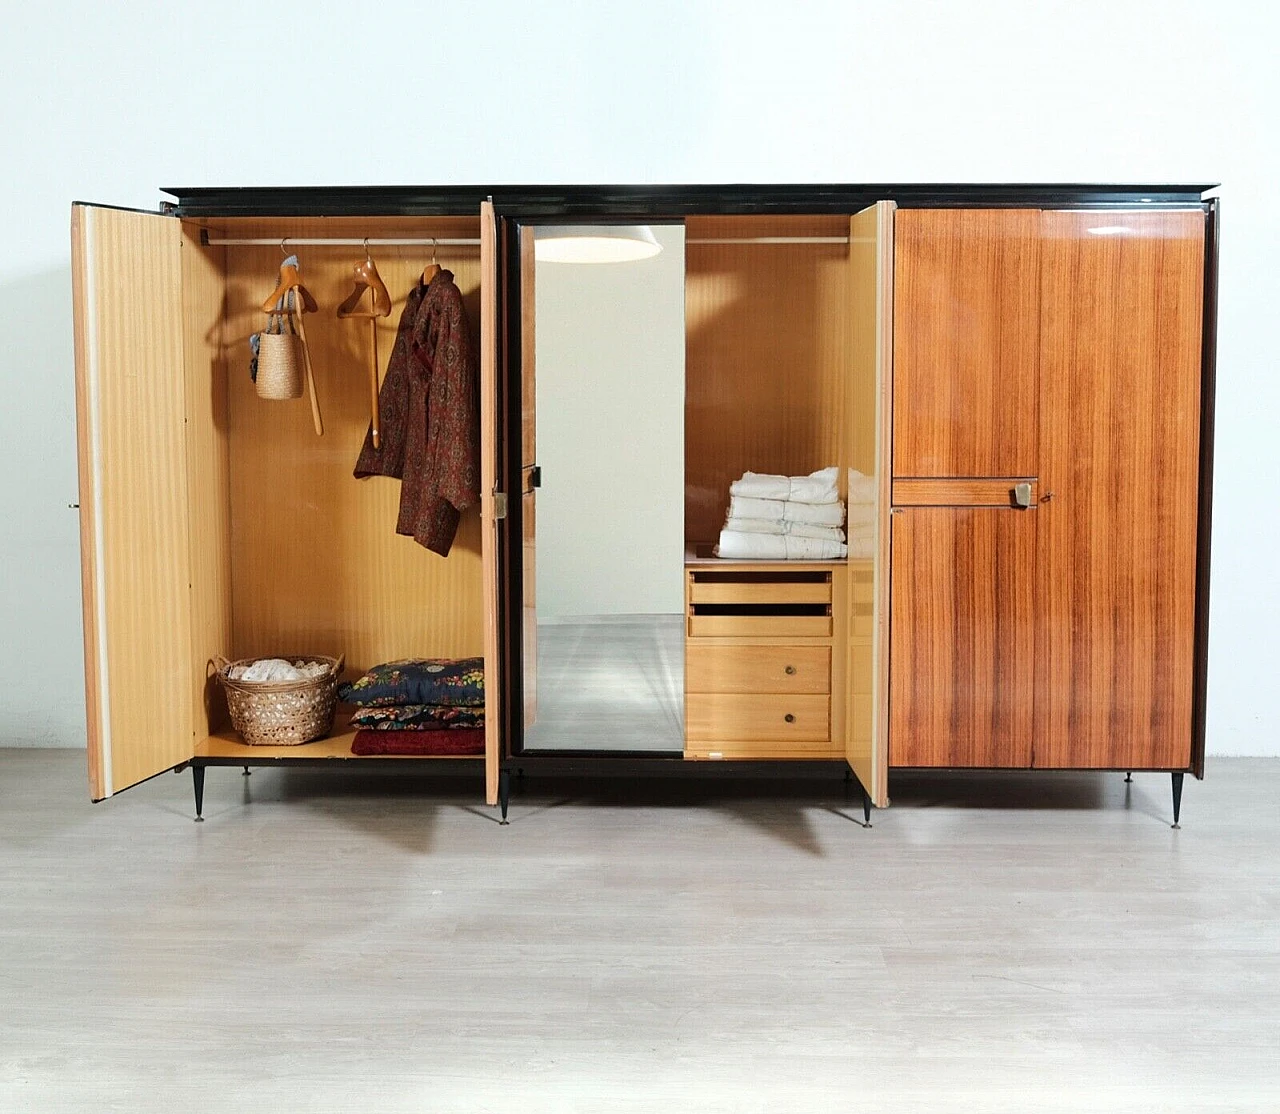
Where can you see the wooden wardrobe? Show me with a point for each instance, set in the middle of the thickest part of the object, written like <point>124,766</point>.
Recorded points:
<point>1026,370</point>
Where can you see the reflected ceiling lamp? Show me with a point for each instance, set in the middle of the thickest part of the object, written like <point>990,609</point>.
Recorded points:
<point>594,243</point>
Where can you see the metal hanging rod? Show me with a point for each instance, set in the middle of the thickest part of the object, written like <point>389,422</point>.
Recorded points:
<point>336,241</point>
<point>771,240</point>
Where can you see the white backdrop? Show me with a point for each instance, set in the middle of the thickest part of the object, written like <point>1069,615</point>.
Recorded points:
<point>109,102</point>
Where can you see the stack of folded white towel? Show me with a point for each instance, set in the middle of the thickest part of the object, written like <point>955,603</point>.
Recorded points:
<point>797,518</point>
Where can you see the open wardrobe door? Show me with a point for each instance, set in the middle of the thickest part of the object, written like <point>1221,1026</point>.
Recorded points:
<point>134,500</point>
<point>530,477</point>
<point>489,498</point>
<point>869,419</point>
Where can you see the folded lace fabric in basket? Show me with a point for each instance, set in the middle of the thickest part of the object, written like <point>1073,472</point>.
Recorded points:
<point>818,487</point>
<point>776,547</point>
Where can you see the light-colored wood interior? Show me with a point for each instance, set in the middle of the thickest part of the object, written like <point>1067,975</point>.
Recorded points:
<point>227,744</point>
<point>766,356</point>
<point>869,416</point>
<point>134,519</point>
<point>315,563</point>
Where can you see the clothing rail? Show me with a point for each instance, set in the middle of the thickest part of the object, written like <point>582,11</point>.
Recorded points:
<point>336,241</point>
<point>770,240</point>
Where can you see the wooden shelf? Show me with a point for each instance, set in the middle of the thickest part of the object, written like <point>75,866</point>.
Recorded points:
<point>700,556</point>
<point>227,744</point>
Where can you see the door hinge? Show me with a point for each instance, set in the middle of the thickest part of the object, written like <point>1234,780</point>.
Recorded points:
<point>499,504</point>
<point>535,476</point>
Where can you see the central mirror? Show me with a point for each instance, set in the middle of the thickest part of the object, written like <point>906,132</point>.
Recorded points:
<point>604,529</point>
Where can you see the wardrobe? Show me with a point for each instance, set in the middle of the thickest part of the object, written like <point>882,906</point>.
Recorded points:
<point>1026,371</point>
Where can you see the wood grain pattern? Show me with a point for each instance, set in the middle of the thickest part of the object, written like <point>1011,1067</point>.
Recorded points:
<point>763,750</point>
<point>86,454</point>
<point>869,401</point>
<point>758,591</point>
<point>762,717</point>
<point>960,492</point>
<point>766,357</point>
<point>317,566</point>
<point>489,448</point>
<point>759,626</point>
<point>1120,412</point>
<point>962,672</point>
<point>227,744</point>
<point>709,667</point>
<point>529,459</point>
<point>131,413</point>
<point>966,342</point>
<point>204,292</point>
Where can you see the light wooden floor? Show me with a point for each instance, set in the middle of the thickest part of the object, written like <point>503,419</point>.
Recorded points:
<point>377,943</point>
<point>610,683</point>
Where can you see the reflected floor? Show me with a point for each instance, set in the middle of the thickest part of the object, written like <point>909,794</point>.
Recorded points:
<point>610,683</point>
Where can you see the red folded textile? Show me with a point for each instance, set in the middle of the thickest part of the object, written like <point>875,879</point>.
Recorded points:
<point>450,741</point>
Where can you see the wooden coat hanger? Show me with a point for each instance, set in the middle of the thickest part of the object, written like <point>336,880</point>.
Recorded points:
<point>367,278</point>
<point>278,302</point>
<point>289,280</point>
<point>433,268</point>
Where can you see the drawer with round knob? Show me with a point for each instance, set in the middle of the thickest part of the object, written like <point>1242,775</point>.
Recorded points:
<point>754,669</point>
<point>766,717</point>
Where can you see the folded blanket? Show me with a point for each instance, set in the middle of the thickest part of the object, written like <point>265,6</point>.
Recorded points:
<point>776,547</point>
<point>816,514</point>
<point>439,743</point>
<point>457,683</point>
<point>778,526</point>
<point>430,717</point>
<point>818,487</point>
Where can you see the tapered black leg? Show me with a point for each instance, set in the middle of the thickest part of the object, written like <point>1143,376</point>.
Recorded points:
<point>1128,776</point>
<point>866,809</point>
<point>197,783</point>
<point>1177,799</point>
<point>504,792</point>
<point>246,772</point>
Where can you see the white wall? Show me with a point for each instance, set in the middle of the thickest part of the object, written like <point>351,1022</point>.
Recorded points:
<point>108,102</point>
<point>610,438</point>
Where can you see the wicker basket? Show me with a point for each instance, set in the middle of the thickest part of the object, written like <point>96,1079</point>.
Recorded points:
<point>286,713</point>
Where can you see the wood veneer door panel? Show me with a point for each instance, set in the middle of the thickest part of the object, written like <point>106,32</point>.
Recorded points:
<point>1122,315</point>
<point>489,446</point>
<point>131,407</point>
<point>962,637</point>
<point>868,415</point>
<point>966,342</point>
<point>528,461</point>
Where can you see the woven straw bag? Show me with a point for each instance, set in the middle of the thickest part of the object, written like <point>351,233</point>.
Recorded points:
<point>286,713</point>
<point>280,359</point>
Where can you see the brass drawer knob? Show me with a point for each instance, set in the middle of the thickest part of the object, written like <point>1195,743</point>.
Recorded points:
<point>789,718</point>
<point>790,670</point>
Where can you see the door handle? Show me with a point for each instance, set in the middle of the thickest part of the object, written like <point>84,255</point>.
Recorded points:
<point>1022,495</point>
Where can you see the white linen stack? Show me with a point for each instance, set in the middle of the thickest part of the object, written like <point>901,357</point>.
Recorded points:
<point>784,518</point>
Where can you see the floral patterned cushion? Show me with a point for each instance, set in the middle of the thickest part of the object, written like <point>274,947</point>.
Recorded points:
<point>455,683</point>
<point>431,717</point>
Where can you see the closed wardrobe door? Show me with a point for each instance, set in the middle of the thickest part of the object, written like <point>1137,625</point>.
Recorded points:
<point>966,342</point>
<point>963,639</point>
<point>1122,307</point>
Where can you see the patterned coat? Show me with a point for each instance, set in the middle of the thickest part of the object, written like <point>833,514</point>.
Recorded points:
<point>430,410</point>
